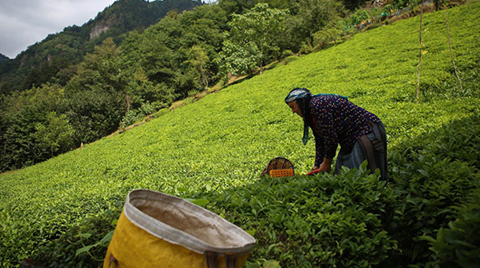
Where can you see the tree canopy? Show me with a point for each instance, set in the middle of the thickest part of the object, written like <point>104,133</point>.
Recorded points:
<point>253,39</point>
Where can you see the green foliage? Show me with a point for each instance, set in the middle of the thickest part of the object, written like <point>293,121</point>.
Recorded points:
<point>138,114</point>
<point>361,15</point>
<point>311,221</point>
<point>48,71</point>
<point>458,245</point>
<point>435,174</point>
<point>56,134</point>
<point>309,17</point>
<point>3,58</point>
<point>168,52</point>
<point>96,94</point>
<point>239,60</point>
<point>253,39</point>
<point>198,58</point>
<point>236,6</point>
<point>331,33</point>
<point>87,241</point>
<point>22,112</point>
<point>214,150</point>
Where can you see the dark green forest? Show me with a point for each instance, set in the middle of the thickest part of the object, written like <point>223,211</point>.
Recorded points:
<point>137,57</point>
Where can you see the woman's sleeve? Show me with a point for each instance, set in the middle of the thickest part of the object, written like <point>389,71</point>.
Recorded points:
<point>324,118</point>
<point>319,151</point>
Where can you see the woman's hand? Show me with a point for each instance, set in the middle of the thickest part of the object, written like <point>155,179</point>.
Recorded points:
<point>326,165</point>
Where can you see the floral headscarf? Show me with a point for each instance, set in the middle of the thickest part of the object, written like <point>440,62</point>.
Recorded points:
<point>302,96</point>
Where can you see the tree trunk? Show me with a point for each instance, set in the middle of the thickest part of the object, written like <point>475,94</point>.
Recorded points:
<point>128,99</point>
<point>262,54</point>
<point>203,74</point>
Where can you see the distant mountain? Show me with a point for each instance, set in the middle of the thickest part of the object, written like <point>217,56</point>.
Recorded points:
<point>3,58</point>
<point>43,61</point>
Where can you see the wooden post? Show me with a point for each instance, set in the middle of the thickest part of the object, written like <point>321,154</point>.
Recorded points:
<point>451,51</point>
<point>420,57</point>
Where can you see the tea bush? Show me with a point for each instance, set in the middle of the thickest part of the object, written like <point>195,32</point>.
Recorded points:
<point>435,174</point>
<point>458,244</point>
<point>315,221</point>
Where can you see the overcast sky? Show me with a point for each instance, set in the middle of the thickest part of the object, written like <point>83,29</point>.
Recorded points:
<point>25,22</point>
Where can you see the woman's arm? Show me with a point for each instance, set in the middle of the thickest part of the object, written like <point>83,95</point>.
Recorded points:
<point>319,151</point>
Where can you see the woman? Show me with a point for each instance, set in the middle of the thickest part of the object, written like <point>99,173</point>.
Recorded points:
<point>334,120</point>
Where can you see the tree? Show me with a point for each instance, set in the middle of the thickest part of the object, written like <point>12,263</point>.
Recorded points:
<point>161,53</point>
<point>168,53</point>
<point>309,17</point>
<point>56,133</point>
<point>330,33</point>
<point>236,6</point>
<point>20,113</point>
<point>203,34</point>
<point>48,71</point>
<point>198,58</point>
<point>238,60</point>
<point>253,39</point>
<point>100,69</point>
<point>96,95</point>
<point>353,4</point>
<point>281,4</point>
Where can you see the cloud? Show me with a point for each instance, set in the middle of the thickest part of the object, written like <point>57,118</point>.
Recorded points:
<point>25,22</point>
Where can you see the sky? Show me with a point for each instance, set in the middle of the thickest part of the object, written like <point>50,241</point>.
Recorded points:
<point>26,22</point>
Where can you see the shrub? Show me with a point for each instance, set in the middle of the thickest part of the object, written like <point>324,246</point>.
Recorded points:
<point>434,175</point>
<point>315,221</point>
<point>459,244</point>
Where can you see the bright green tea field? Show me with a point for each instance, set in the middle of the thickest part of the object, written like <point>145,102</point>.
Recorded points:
<point>213,151</point>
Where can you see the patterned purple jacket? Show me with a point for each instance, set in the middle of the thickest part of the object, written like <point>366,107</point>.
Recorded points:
<point>337,121</point>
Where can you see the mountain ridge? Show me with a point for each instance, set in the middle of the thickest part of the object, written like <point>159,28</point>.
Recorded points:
<point>72,44</point>
<point>3,58</point>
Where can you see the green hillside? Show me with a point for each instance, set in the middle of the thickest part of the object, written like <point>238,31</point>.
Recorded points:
<point>216,148</point>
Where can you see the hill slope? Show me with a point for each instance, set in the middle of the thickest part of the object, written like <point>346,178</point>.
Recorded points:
<point>219,145</point>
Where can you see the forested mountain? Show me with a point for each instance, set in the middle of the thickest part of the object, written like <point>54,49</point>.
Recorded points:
<point>86,82</point>
<point>48,60</point>
<point>3,58</point>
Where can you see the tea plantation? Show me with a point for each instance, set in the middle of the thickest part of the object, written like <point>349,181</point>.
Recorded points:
<point>61,213</point>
